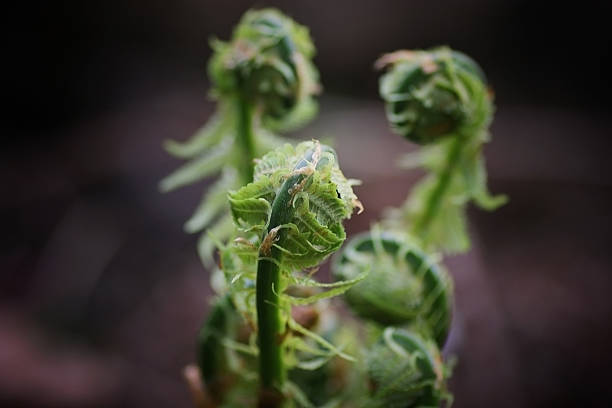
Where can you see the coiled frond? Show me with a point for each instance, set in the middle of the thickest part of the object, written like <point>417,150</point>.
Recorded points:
<point>269,61</point>
<point>406,371</point>
<point>439,98</point>
<point>403,285</point>
<point>314,230</point>
<point>433,94</point>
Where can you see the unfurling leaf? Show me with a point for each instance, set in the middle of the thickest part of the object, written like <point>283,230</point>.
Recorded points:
<point>315,227</point>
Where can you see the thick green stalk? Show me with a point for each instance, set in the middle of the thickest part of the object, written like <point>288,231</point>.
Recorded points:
<point>245,138</point>
<point>432,206</point>
<point>269,320</point>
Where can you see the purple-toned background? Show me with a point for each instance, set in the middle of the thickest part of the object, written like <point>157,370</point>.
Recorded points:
<point>101,293</point>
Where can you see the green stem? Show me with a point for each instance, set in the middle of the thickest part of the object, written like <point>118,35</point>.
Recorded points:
<point>269,319</point>
<point>246,138</point>
<point>434,201</point>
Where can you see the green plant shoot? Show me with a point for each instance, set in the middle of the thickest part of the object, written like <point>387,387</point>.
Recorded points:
<point>263,82</point>
<point>440,100</point>
<point>272,338</point>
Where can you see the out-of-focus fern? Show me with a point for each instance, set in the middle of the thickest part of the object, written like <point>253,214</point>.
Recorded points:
<point>439,99</point>
<point>263,82</point>
<point>406,370</point>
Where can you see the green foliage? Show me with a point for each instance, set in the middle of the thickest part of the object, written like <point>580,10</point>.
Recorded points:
<point>288,219</point>
<point>263,81</point>
<point>435,210</point>
<point>403,287</point>
<point>430,94</point>
<point>314,230</point>
<point>269,61</point>
<point>406,371</point>
<point>439,98</point>
<point>338,382</point>
<point>273,338</point>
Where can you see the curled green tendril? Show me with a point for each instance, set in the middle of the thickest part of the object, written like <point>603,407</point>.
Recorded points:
<point>403,286</point>
<point>406,371</point>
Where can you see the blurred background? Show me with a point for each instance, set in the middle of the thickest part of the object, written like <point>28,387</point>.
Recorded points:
<point>101,292</point>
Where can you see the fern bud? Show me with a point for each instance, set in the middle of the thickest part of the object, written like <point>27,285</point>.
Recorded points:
<point>431,94</point>
<point>269,62</point>
<point>403,286</point>
<point>405,371</point>
<point>299,193</point>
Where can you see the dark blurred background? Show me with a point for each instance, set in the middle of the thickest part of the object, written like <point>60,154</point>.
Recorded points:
<point>101,293</point>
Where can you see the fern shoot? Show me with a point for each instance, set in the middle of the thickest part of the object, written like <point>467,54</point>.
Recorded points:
<point>263,81</point>
<point>440,99</point>
<point>288,219</point>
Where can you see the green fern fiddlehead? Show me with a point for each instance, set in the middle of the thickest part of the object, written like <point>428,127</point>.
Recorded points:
<point>406,370</point>
<point>291,218</point>
<point>404,286</point>
<point>263,81</point>
<point>439,99</point>
<point>268,63</point>
<point>432,94</point>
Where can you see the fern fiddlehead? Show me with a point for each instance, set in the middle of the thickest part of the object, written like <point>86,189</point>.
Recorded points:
<point>263,81</point>
<point>439,98</point>
<point>406,370</point>
<point>404,286</point>
<point>291,216</point>
<point>409,298</point>
<point>431,94</point>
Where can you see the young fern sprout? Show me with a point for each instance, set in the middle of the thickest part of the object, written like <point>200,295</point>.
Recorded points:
<point>406,370</point>
<point>277,212</point>
<point>288,219</point>
<point>440,99</point>
<point>408,298</point>
<point>403,287</point>
<point>263,81</point>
